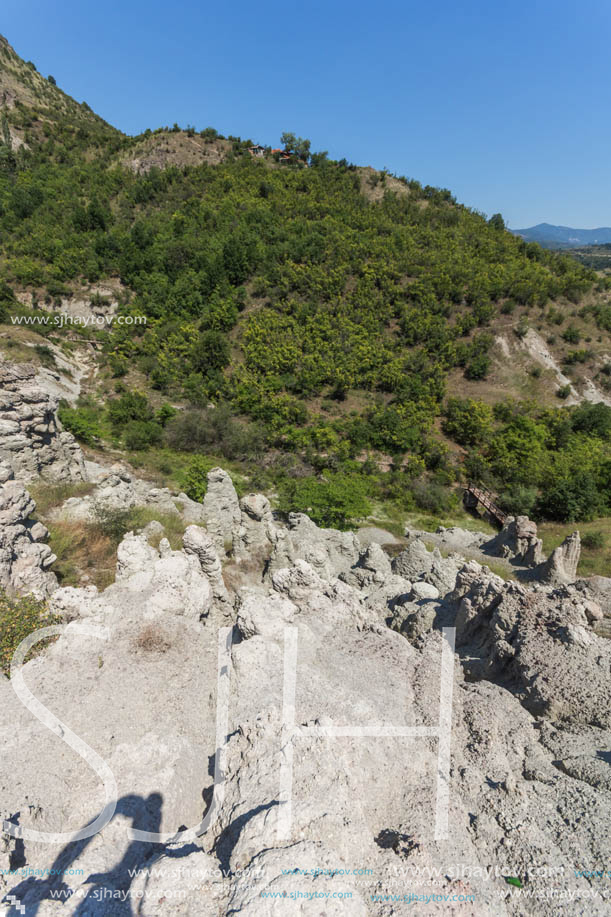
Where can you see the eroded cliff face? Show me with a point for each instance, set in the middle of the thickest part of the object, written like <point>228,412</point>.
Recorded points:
<point>275,667</point>
<point>32,441</point>
<point>25,559</point>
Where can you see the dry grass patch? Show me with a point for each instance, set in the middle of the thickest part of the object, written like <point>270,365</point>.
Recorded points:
<point>49,496</point>
<point>82,550</point>
<point>151,639</point>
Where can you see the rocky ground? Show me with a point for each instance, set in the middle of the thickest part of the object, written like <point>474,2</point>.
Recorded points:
<point>260,721</point>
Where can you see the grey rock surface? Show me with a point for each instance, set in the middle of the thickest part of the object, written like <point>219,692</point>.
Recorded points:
<point>530,731</point>
<point>328,551</point>
<point>221,510</point>
<point>24,557</point>
<point>517,541</point>
<point>561,565</point>
<point>414,561</point>
<point>32,441</point>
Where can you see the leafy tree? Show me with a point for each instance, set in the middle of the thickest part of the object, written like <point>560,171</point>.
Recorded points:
<point>211,351</point>
<point>297,145</point>
<point>467,421</point>
<point>571,499</point>
<point>497,222</point>
<point>165,413</point>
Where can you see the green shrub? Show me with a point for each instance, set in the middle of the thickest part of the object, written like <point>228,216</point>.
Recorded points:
<point>434,498</point>
<point>478,367</point>
<point>196,478</point>
<point>166,412</point>
<point>82,422</point>
<point>467,421</point>
<point>593,540</point>
<point>142,434</point>
<point>118,365</point>
<point>519,500</point>
<point>571,335</point>
<point>112,522</point>
<point>215,428</point>
<point>336,501</point>
<point>130,406</point>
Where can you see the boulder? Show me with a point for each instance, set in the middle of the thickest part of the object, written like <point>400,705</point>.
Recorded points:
<point>422,590</point>
<point>414,561</point>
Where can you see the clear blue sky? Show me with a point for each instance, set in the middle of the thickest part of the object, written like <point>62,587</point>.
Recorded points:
<point>505,103</point>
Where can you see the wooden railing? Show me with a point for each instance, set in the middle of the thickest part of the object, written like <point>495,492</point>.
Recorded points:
<point>486,498</point>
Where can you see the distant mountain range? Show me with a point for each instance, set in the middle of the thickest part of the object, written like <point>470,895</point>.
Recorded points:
<point>564,236</point>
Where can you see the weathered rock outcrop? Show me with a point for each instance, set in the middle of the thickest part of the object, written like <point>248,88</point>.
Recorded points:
<point>32,441</point>
<point>517,541</point>
<point>540,643</point>
<point>117,489</point>
<point>561,565</point>
<point>414,561</point>
<point>257,532</point>
<point>198,543</point>
<point>24,557</point>
<point>221,511</point>
<point>328,551</point>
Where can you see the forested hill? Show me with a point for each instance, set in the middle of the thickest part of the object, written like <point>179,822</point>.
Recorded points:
<point>331,313</point>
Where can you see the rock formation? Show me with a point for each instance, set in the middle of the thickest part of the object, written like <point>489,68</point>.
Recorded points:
<point>328,551</point>
<point>31,439</point>
<point>117,489</point>
<point>517,541</point>
<point>167,699</point>
<point>561,565</point>
<point>222,513</point>
<point>25,559</point>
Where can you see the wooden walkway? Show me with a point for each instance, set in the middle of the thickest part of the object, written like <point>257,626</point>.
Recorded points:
<point>481,495</point>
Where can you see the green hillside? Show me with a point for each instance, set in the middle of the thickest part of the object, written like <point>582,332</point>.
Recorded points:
<point>322,324</point>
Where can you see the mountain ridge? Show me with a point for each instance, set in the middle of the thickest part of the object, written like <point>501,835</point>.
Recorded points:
<point>552,236</point>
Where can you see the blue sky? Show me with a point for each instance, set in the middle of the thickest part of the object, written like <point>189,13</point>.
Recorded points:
<point>505,103</point>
